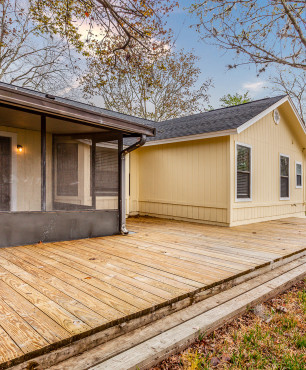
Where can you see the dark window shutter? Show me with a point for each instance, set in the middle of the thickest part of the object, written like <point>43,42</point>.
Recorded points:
<point>67,169</point>
<point>243,172</point>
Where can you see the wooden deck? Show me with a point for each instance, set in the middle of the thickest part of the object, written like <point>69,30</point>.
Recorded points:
<point>52,294</point>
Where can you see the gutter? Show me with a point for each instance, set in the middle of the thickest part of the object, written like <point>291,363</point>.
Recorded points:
<point>122,225</point>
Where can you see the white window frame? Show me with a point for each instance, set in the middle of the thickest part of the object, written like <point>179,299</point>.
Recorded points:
<point>280,181</point>
<point>236,171</point>
<point>296,185</point>
<point>13,137</point>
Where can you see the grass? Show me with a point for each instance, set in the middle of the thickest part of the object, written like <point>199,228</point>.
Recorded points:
<point>250,342</point>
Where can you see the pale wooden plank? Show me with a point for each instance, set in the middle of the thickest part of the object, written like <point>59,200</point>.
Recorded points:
<point>8,348</point>
<point>39,321</point>
<point>64,318</point>
<point>24,335</point>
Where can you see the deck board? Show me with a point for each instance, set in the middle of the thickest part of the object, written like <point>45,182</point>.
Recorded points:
<point>52,292</point>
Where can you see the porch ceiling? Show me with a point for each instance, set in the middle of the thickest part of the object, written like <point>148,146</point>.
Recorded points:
<point>29,121</point>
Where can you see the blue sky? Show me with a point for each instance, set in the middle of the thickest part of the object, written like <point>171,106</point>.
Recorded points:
<point>213,62</point>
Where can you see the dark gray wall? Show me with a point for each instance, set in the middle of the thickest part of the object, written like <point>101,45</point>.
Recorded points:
<point>21,228</point>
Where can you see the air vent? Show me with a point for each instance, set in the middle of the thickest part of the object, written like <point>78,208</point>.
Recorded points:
<point>276,116</point>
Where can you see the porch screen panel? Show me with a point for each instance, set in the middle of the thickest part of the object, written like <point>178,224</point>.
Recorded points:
<point>5,173</point>
<point>106,175</point>
<point>71,174</point>
<point>243,172</point>
<point>67,169</point>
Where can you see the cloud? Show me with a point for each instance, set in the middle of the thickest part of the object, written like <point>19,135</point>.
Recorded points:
<point>254,86</point>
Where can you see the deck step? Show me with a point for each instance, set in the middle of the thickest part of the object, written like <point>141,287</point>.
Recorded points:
<point>146,346</point>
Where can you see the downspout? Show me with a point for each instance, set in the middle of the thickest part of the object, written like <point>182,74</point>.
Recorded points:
<point>122,154</point>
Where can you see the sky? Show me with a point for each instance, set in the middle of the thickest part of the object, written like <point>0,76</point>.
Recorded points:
<point>213,62</point>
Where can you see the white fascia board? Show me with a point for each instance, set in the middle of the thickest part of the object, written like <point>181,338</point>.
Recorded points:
<point>192,137</point>
<point>270,109</point>
<point>261,115</point>
<point>297,114</point>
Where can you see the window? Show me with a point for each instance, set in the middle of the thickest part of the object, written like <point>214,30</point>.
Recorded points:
<point>243,172</point>
<point>284,177</point>
<point>298,174</point>
<point>106,171</point>
<point>67,169</point>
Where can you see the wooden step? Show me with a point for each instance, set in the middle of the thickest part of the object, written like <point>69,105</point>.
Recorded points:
<point>95,353</point>
<point>152,351</point>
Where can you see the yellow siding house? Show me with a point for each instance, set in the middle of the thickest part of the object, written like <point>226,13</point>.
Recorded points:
<point>230,166</point>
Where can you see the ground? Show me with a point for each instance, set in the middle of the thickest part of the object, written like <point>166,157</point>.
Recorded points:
<point>270,336</point>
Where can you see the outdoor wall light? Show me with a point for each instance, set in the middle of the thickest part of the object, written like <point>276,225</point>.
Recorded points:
<point>19,148</point>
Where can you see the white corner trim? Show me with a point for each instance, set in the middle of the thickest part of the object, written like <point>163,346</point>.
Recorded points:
<point>298,186</point>
<point>262,114</point>
<point>280,184</point>
<point>13,137</point>
<point>297,114</point>
<point>251,174</point>
<point>192,137</point>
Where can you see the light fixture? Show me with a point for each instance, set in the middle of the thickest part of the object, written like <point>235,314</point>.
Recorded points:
<point>20,148</point>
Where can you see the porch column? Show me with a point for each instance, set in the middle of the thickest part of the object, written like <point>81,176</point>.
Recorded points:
<point>121,187</point>
<point>43,163</point>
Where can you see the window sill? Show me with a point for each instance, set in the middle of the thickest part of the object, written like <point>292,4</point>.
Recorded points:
<point>243,200</point>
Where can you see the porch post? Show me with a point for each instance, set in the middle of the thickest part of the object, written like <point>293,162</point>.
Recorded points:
<point>43,163</point>
<point>121,189</point>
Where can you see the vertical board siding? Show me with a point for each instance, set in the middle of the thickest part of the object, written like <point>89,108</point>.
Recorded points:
<point>268,141</point>
<point>29,169</point>
<point>186,180</point>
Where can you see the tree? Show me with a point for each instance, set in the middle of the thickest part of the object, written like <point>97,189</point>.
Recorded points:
<point>263,32</point>
<point>292,83</point>
<point>27,58</point>
<point>106,29</point>
<point>230,100</point>
<point>157,87</point>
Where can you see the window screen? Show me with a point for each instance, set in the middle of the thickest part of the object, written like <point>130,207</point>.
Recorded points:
<point>284,177</point>
<point>67,169</point>
<point>298,175</point>
<point>243,172</point>
<point>106,171</point>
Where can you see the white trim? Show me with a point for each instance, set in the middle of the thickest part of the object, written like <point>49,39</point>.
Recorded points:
<point>270,109</point>
<point>299,186</point>
<point>251,175</point>
<point>297,114</point>
<point>192,137</point>
<point>286,156</point>
<point>261,115</point>
<point>13,137</point>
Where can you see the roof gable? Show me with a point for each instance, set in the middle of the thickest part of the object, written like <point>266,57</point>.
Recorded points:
<point>219,122</point>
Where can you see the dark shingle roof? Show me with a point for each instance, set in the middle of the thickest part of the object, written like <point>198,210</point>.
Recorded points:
<point>81,105</point>
<point>201,123</point>
<point>212,121</point>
